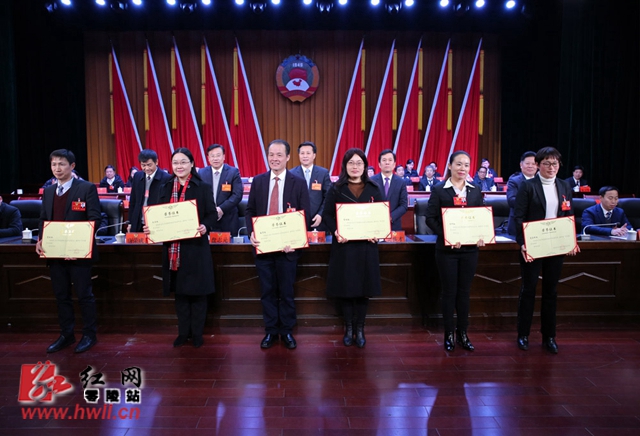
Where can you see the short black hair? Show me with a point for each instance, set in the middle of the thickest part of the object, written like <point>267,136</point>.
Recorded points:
<point>308,144</point>
<point>399,166</point>
<point>109,166</point>
<point>527,154</point>
<point>410,161</point>
<point>386,151</point>
<point>147,154</point>
<point>606,189</point>
<point>546,152</point>
<point>578,167</point>
<point>484,159</point>
<point>63,153</point>
<point>283,142</point>
<point>214,146</point>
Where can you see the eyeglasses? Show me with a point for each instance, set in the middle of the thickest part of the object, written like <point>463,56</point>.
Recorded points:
<point>182,162</point>
<point>355,164</point>
<point>548,164</point>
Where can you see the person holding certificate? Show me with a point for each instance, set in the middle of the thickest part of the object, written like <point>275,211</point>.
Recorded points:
<point>275,192</point>
<point>456,263</point>
<point>187,268</point>
<point>542,197</point>
<point>354,266</point>
<point>71,199</point>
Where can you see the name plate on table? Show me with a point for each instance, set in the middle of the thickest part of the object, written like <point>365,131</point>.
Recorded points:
<point>274,232</point>
<point>396,236</point>
<point>552,237</point>
<point>219,237</point>
<point>172,221</point>
<point>316,237</point>
<point>362,221</point>
<point>68,239</point>
<point>468,225</point>
<point>136,238</point>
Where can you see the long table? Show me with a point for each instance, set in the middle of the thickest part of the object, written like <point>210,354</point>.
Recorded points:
<point>599,283</point>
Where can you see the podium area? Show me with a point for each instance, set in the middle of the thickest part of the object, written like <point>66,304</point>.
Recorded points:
<point>597,285</point>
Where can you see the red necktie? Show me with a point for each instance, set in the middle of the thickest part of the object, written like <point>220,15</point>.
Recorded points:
<point>275,193</point>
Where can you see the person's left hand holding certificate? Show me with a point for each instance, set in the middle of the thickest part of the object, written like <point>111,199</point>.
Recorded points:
<point>172,221</point>
<point>282,232</point>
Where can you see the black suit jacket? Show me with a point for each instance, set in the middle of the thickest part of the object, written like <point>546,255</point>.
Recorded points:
<point>137,195</point>
<point>513,185</point>
<point>316,197</point>
<point>572,182</point>
<point>531,204</point>
<point>10,221</point>
<point>443,197</point>
<point>397,198</point>
<point>226,200</point>
<point>80,191</point>
<point>295,194</point>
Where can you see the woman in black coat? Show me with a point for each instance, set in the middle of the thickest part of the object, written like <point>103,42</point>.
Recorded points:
<point>456,263</point>
<point>187,268</point>
<point>354,266</point>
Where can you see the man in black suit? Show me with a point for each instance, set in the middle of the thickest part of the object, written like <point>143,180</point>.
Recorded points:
<point>576,180</point>
<point>393,188</point>
<point>145,188</point>
<point>71,199</point>
<point>528,169</point>
<point>274,192</point>
<point>542,197</point>
<point>318,182</point>
<point>227,190</point>
<point>10,220</point>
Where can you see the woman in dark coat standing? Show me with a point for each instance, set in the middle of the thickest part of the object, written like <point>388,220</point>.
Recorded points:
<point>187,267</point>
<point>457,263</point>
<point>354,266</point>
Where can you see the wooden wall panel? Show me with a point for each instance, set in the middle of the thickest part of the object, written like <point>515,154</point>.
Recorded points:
<point>316,119</point>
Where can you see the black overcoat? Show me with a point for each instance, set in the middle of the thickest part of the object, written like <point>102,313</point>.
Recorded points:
<point>354,266</point>
<point>195,274</point>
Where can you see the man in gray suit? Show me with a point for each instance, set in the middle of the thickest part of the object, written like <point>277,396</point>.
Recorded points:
<point>318,182</point>
<point>227,189</point>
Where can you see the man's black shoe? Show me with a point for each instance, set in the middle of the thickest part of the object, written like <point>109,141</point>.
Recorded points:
<point>85,344</point>
<point>289,341</point>
<point>268,340</point>
<point>60,343</point>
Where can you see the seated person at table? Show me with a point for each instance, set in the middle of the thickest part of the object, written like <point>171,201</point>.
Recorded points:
<point>111,180</point>
<point>401,173</point>
<point>409,171</point>
<point>483,181</point>
<point>429,179</point>
<point>371,171</point>
<point>576,180</point>
<point>392,187</point>
<point>436,174</point>
<point>491,173</point>
<point>607,213</point>
<point>132,172</point>
<point>10,220</point>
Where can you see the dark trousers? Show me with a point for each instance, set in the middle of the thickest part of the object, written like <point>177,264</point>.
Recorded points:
<point>354,310</point>
<point>64,276</point>
<point>192,314</point>
<point>277,273</point>
<point>456,268</point>
<point>551,268</point>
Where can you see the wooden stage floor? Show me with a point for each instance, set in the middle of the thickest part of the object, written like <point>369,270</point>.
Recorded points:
<point>401,383</point>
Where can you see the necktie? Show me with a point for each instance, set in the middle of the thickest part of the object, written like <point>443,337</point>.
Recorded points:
<point>147,186</point>
<point>60,189</point>
<point>386,187</point>
<point>307,175</point>
<point>216,181</point>
<point>608,216</point>
<point>275,194</point>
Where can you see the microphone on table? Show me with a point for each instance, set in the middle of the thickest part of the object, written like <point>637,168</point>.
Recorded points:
<point>239,239</point>
<point>123,223</point>
<point>585,237</point>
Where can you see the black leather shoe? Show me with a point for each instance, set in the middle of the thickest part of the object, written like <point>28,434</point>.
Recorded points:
<point>60,343</point>
<point>268,340</point>
<point>550,344</point>
<point>449,344</point>
<point>180,341</point>
<point>523,342</point>
<point>463,340</point>
<point>289,341</point>
<point>360,339</point>
<point>85,344</point>
<point>198,341</point>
